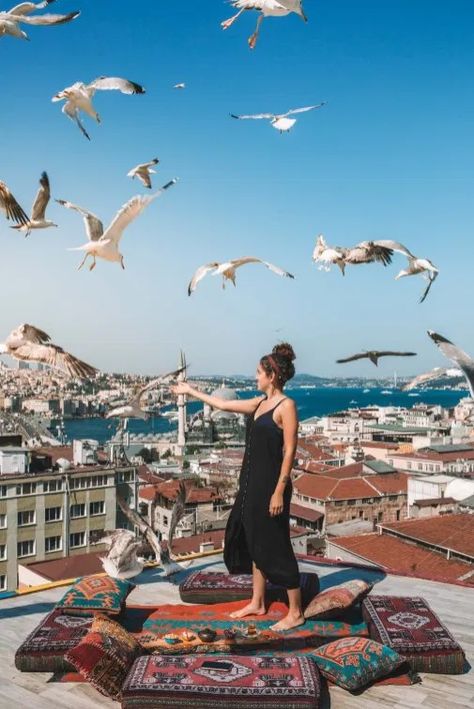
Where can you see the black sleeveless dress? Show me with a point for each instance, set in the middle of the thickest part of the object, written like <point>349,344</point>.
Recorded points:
<point>251,533</point>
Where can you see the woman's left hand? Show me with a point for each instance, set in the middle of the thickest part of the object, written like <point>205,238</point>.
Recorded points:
<point>276,504</point>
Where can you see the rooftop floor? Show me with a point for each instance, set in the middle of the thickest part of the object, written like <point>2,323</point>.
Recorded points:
<point>20,615</point>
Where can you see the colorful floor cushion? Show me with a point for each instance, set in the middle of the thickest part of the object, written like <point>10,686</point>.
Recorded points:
<point>96,594</point>
<point>44,649</point>
<point>180,619</point>
<point>230,681</point>
<point>336,601</point>
<point>105,655</point>
<point>409,626</point>
<point>353,663</point>
<point>217,587</point>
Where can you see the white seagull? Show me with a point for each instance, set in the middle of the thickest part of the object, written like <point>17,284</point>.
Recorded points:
<point>267,8</point>
<point>364,252</point>
<point>105,244</point>
<point>143,172</point>
<point>227,270</point>
<point>38,211</point>
<point>280,121</point>
<point>327,255</point>
<point>122,561</point>
<point>10,206</point>
<point>79,96</point>
<point>415,266</point>
<point>31,344</point>
<point>21,14</point>
<point>182,85</point>
<point>133,407</point>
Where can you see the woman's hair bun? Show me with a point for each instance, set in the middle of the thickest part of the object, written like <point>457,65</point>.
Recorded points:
<point>284,350</point>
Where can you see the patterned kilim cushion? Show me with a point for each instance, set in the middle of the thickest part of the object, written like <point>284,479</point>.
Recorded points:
<point>352,663</point>
<point>105,655</point>
<point>409,626</point>
<point>95,594</point>
<point>229,681</point>
<point>335,601</point>
<point>44,649</point>
<point>217,587</point>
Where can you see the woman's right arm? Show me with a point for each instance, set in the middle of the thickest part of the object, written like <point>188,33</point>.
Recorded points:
<point>238,406</point>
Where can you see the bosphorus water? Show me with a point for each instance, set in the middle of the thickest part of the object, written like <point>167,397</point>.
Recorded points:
<point>310,402</point>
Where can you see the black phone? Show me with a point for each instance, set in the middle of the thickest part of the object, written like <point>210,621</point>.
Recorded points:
<point>217,666</point>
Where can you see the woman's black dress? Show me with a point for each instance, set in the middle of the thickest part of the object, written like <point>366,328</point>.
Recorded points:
<point>251,533</point>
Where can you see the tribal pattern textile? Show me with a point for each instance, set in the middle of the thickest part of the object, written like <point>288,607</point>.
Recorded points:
<point>353,663</point>
<point>409,626</point>
<point>233,682</point>
<point>44,649</point>
<point>217,587</point>
<point>96,594</point>
<point>336,601</point>
<point>105,655</point>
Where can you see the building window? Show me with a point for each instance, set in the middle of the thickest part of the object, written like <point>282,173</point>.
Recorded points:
<point>52,486</point>
<point>97,508</point>
<point>305,498</point>
<point>96,535</point>
<point>53,514</point>
<point>78,511</point>
<point>165,520</point>
<point>3,490</point>
<point>3,582</point>
<point>127,476</point>
<point>3,552</point>
<point>26,489</point>
<point>77,539</point>
<point>393,498</point>
<point>53,544</point>
<point>3,521</point>
<point>26,548</point>
<point>98,480</point>
<point>26,517</point>
<point>409,466</point>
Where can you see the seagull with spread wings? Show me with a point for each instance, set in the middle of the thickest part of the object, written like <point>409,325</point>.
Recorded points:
<point>105,244</point>
<point>267,8</point>
<point>462,360</point>
<point>328,255</point>
<point>38,211</point>
<point>374,356</point>
<point>280,121</point>
<point>11,20</point>
<point>122,561</point>
<point>79,96</point>
<point>133,407</point>
<point>227,270</point>
<point>31,344</point>
<point>365,252</point>
<point>415,265</point>
<point>143,172</point>
<point>10,206</point>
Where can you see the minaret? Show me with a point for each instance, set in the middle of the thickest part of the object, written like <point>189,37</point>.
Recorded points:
<point>182,408</point>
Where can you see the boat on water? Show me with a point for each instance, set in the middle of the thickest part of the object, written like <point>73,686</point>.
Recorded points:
<point>386,391</point>
<point>413,393</point>
<point>365,391</point>
<point>353,401</point>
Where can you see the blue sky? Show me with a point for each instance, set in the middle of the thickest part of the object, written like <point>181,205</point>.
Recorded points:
<point>390,156</point>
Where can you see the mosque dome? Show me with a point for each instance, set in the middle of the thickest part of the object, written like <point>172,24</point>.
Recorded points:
<point>227,394</point>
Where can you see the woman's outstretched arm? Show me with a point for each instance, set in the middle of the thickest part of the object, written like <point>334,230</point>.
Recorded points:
<point>238,406</point>
<point>289,421</point>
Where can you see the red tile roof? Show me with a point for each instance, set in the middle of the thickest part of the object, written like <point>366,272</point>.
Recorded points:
<point>190,545</point>
<point>169,490</point>
<point>397,555</point>
<point>430,502</point>
<point>438,457</point>
<point>325,487</point>
<point>455,531</point>
<point>55,452</point>
<point>305,513</point>
<point>379,444</point>
<point>69,567</point>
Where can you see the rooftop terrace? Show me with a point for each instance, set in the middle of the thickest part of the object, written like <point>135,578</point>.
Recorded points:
<point>453,603</point>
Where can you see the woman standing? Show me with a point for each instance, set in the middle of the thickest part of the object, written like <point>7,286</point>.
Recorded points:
<point>257,536</point>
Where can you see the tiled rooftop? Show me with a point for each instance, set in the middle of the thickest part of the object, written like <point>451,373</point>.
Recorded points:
<point>455,532</point>
<point>323,487</point>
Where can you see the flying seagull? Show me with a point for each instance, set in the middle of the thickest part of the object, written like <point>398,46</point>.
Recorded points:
<point>21,14</point>
<point>121,561</point>
<point>38,211</point>
<point>143,172</point>
<point>105,244</point>
<point>280,121</point>
<point>31,344</point>
<point>79,96</point>
<point>182,85</point>
<point>365,252</point>
<point>267,8</point>
<point>374,356</point>
<point>415,266</point>
<point>10,206</point>
<point>227,270</point>
<point>456,355</point>
<point>432,376</point>
<point>133,408</point>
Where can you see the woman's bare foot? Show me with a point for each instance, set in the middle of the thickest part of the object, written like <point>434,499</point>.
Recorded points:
<point>289,621</point>
<point>250,609</point>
